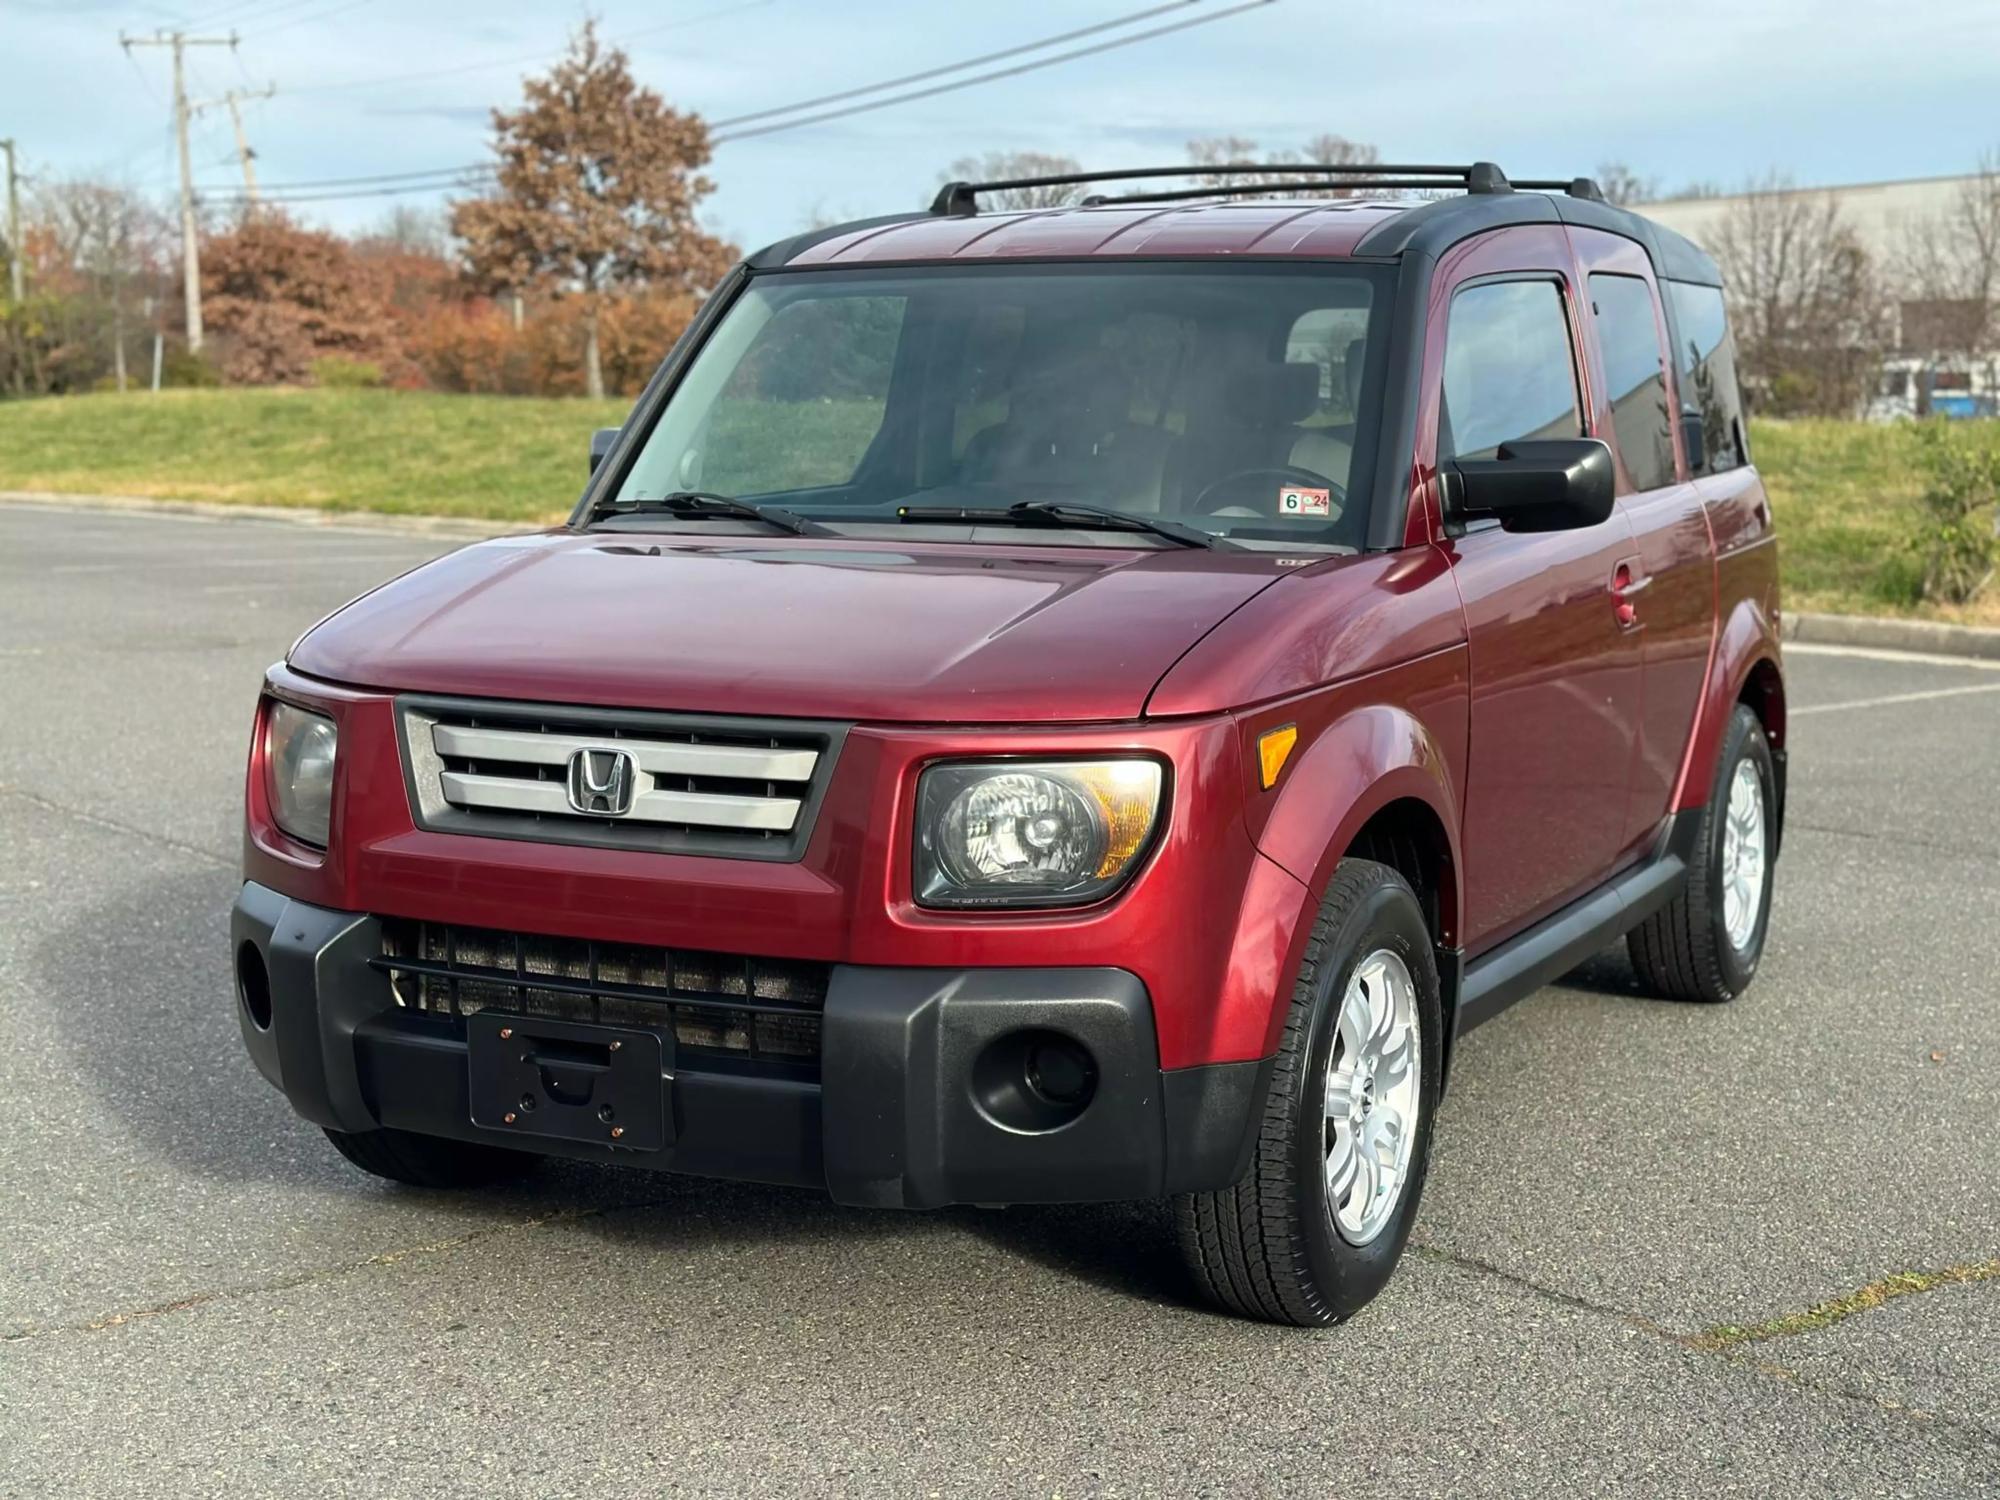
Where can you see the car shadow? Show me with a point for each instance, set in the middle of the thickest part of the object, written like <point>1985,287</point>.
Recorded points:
<point>1607,973</point>
<point>136,985</point>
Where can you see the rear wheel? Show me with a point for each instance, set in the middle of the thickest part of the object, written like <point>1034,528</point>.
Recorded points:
<point>1705,944</point>
<point>429,1161</point>
<point>1314,1229</point>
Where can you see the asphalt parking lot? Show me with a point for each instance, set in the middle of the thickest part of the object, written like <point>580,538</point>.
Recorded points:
<point>197,1296</point>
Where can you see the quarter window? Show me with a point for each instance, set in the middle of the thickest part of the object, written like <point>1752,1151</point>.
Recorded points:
<point>1706,357</point>
<point>1508,369</point>
<point>1635,378</point>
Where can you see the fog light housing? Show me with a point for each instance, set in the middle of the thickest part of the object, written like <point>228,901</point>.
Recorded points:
<point>1033,1080</point>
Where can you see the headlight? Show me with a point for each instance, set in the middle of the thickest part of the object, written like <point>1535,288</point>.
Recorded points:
<point>1017,833</point>
<point>298,771</point>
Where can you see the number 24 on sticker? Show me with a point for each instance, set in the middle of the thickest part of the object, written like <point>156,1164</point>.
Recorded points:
<point>1293,501</point>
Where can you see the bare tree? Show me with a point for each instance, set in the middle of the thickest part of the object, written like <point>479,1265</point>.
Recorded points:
<point>109,241</point>
<point>1339,151</point>
<point>1951,265</point>
<point>1810,312</point>
<point>1218,153</point>
<point>421,231</point>
<point>1620,184</point>
<point>999,166</point>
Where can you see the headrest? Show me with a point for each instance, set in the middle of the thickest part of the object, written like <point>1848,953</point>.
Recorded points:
<point>1274,395</point>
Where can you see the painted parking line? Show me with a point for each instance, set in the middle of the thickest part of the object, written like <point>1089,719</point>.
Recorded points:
<point>1876,653</point>
<point>1950,692</point>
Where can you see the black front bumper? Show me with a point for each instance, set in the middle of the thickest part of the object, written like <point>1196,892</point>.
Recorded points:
<point>904,1112</point>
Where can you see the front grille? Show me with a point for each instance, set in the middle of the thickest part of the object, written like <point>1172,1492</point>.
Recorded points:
<point>669,783</point>
<point>760,1009</point>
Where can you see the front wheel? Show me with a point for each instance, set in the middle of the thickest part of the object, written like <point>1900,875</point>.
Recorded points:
<point>1705,944</point>
<point>1314,1229</point>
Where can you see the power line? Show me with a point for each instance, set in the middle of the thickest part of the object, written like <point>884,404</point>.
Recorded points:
<point>321,15</point>
<point>373,178</point>
<point>390,184</point>
<point>978,78</point>
<point>970,62</point>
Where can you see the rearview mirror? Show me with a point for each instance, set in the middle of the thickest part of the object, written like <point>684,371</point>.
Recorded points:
<point>601,442</point>
<point>1535,484</point>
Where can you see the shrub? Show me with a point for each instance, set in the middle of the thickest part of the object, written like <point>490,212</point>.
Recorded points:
<point>1955,532</point>
<point>181,367</point>
<point>341,373</point>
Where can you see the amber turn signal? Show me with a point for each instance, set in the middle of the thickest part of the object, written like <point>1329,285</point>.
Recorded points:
<point>1274,748</point>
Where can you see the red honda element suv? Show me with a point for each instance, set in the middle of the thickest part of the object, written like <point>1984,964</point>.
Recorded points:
<point>1077,704</point>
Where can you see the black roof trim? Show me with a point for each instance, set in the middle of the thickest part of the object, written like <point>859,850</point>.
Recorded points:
<point>1432,228</point>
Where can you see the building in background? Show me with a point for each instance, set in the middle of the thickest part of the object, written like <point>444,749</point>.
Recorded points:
<point>1942,352</point>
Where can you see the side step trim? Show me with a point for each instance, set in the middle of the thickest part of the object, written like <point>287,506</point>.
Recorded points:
<point>1552,947</point>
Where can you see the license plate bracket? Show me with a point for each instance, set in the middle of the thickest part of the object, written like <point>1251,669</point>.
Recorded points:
<point>573,1081</point>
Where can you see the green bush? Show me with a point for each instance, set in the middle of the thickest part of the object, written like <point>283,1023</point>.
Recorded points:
<point>337,372</point>
<point>1956,511</point>
<point>182,369</point>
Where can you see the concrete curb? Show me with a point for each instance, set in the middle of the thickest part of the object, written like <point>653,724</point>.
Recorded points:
<point>365,521</point>
<point>1931,637</point>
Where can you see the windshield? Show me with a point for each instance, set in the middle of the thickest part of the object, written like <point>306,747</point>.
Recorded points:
<point>1228,400</point>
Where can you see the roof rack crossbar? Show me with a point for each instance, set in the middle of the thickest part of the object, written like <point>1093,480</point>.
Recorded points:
<point>1576,187</point>
<point>1242,189</point>
<point>961,198</point>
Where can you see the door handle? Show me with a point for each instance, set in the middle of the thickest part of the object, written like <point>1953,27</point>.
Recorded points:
<point>1626,581</point>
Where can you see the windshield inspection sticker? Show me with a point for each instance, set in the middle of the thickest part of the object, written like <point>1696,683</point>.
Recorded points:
<point>1293,501</point>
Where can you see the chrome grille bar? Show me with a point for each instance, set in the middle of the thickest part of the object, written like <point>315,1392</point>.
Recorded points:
<point>659,757</point>
<point>697,809</point>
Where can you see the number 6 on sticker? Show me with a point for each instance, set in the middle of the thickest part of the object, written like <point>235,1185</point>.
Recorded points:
<point>1293,501</point>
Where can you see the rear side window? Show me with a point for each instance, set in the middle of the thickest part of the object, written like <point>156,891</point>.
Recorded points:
<point>1636,378</point>
<point>1706,357</point>
<point>1508,369</point>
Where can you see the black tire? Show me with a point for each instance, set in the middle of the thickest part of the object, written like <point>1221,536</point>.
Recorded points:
<point>1268,1248</point>
<point>430,1161</point>
<point>1683,951</point>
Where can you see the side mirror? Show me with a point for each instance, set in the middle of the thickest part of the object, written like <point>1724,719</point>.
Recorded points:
<point>601,443</point>
<point>1535,484</point>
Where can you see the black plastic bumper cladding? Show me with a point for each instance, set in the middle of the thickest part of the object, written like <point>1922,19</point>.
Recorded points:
<point>896,1118</point>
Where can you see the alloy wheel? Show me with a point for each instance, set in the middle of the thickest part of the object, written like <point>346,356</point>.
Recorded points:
<point>1744,856</point>
<point>1372,1096</point>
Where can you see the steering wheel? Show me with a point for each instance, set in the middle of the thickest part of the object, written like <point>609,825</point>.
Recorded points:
<point>1285,474</point>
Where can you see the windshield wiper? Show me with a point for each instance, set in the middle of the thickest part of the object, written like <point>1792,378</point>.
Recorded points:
<point>1065,513</point>
<point>701,505</point>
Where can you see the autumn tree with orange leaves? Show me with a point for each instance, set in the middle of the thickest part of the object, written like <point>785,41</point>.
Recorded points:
<point>594,193</point>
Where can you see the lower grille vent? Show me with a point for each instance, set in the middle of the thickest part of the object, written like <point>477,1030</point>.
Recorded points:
<point>763,1009</point>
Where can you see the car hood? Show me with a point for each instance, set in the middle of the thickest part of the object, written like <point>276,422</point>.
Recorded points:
<point>807,627</point>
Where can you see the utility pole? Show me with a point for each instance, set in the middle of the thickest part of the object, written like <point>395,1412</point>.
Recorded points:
<point>180,41</point>
<point>14,271</point>
<point>234,100</point>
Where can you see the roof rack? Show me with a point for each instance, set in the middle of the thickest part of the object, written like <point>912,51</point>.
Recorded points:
<point>962,198</point>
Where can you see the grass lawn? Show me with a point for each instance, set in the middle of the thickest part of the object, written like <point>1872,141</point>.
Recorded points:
<point>512,458</point>
<point>1845,492</point>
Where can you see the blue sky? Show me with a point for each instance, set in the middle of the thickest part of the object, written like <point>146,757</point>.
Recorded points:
<point>1833,91</point>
